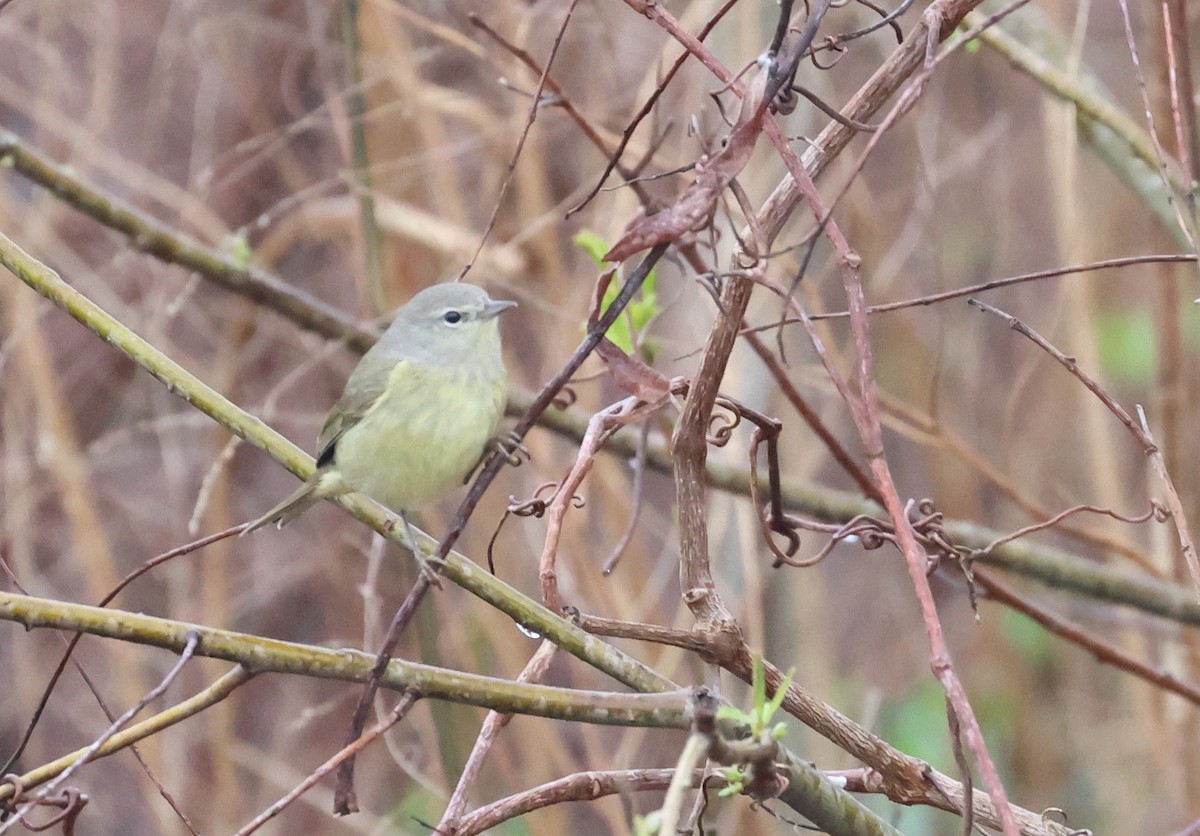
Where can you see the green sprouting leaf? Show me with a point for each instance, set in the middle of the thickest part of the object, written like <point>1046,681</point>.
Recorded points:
<point>640,311</point>
<point>780,693</point>
<point>736,779</point>
<point>239,246</point>
<point>729,712</point>
<point>592,244</point>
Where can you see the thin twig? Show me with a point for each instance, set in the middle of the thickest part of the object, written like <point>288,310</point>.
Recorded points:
<point>1139,431</point>
<point>516,154</point>
<point>398,713</point>
<point>191,642</point>
<point>533,671</point>
<point>1105,652</point>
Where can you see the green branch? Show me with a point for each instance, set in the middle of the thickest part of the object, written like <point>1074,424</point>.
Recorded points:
<point>263,655</point>
<point>458,568</point>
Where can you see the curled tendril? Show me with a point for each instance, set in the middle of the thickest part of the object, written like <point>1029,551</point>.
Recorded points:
<point>535,506</point>
<point>1059,813</point>
<point>832,45</point>
<point>14,781</point>
<point>785,101</point>
<point>71,801</point>
<point>723,422</point>
<point>872,533</point>
<point>788,528</point>
<point>528,508</point>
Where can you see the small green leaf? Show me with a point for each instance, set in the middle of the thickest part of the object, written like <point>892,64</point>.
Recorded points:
<point>620,331</point>
<point>729,712</point>
<point>239,246</point>
<point>736,779</point>
<point>780,693</point>
<point>779,732</point>
<point>638,314</point>
<point>592,244</point>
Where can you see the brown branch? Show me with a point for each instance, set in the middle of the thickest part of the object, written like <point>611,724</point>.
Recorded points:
<point>582,786</point>
<point>1105,652</point>
<point>1140,432</point>
<point>398,713</point>
<point>534,670</point>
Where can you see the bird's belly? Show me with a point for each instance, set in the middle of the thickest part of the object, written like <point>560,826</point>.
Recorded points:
<point>406,458</point>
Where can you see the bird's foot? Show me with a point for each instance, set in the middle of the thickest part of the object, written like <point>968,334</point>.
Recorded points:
<point>509,445</point>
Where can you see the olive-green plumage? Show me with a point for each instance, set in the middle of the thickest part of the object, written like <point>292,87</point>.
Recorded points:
<point>418,410</point>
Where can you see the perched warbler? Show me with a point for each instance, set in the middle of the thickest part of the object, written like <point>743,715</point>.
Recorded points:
<point>418,410</point>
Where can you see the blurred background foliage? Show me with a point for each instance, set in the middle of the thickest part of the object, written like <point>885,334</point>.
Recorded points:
<point>232,122</point>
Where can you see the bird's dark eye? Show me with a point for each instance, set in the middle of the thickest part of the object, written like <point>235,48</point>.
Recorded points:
<point>452,317</point>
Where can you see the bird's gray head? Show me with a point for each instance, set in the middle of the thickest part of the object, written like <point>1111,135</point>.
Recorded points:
<point>447,323</point>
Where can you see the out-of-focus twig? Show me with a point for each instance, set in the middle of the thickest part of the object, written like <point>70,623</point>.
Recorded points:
<point>210,696</point>
<point>1139,431</point>
<point>1030,42</point>
<point>534,670</point>
<point>356,113</point>
<point>155,238</point>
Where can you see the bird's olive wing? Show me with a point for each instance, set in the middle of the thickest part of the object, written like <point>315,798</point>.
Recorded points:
<point>366,385</point>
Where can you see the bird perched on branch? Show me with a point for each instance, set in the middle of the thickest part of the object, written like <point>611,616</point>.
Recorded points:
<point>417,412</point>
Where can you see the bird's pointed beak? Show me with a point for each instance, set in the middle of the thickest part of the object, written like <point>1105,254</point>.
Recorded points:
<point>495,307</point>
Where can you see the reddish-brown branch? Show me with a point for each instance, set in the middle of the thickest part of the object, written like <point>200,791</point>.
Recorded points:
<point>492,725</point>
<point>1105,652</point>
<point>582,786</point>
<point>1139,431</point>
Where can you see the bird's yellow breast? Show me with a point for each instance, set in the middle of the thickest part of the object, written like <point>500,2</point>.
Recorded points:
<point>423,436</point>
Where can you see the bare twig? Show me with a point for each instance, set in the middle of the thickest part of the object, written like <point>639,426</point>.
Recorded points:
<point>191,642</point>
<point>1139,431</point>
<point>398,713</point>
<point>1105,652</point>
<point>534,670</point>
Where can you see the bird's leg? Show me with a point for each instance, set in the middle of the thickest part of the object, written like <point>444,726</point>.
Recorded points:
<point>427,569</point>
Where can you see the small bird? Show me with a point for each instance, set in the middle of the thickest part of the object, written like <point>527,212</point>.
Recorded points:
<point>417,412</point>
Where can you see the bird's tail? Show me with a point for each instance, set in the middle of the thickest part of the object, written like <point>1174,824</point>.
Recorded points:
<point>283,513</point>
